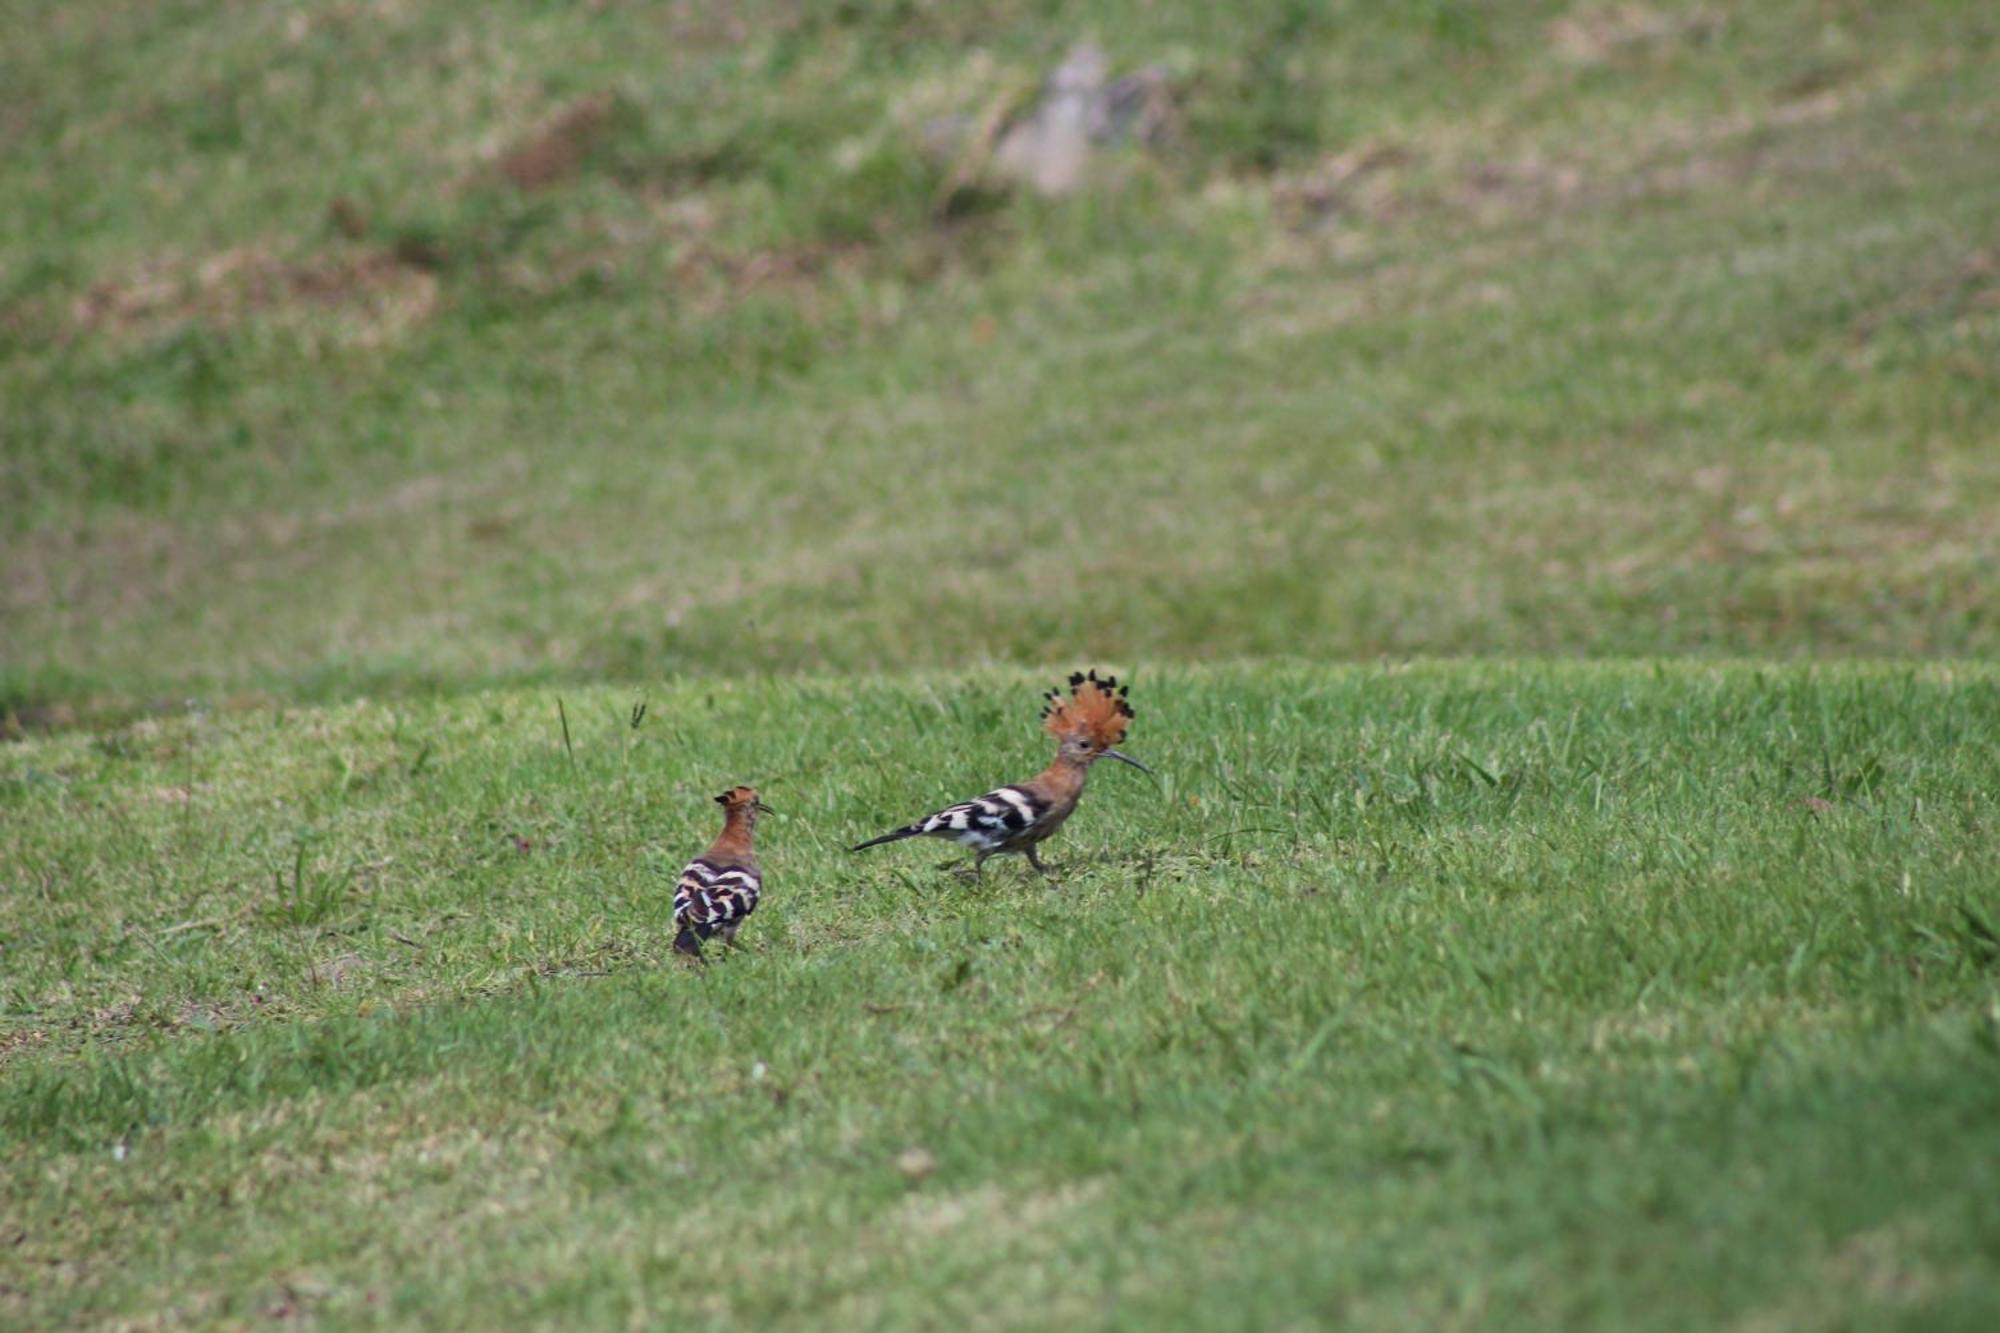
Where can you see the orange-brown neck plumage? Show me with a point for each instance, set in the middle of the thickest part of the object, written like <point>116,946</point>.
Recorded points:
<point>736,841</point>
<point>734,845</point>
<point>1062,781</point>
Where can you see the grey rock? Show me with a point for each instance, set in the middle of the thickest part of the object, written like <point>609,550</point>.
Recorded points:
<point>1050,149</point>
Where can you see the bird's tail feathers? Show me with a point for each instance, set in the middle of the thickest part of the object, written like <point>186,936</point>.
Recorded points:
<point>908,831</point>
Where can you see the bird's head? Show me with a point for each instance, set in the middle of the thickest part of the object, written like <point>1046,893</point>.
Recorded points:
<point>742,803</point>
<point>1089,723</point>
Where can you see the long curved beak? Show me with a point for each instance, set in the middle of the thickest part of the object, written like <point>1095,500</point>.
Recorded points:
<point>765,808</point>
<point>1126,758</point>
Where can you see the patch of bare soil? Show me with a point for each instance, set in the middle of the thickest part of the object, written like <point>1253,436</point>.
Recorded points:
<point>1598,34</point>
<point>1970,288</point>
<point>556,150</point>
<point>20,1039</point>
<point>374,291</point>
<point>1380,183</point>
<point>715,280</point>
<point>1359,181</point>
<point>750,270</point>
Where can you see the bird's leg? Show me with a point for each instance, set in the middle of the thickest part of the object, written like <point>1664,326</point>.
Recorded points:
<point>1036,862</point>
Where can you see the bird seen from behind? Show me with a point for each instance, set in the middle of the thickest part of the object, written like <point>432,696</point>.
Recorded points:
<point>720,888</point>
<point>1088,724</point>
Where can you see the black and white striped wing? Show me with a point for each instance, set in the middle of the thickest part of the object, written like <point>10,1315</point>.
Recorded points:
<point>710,897</point>
<point>986,822</point>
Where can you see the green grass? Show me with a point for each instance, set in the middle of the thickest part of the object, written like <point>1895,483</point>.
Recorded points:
<point>1660,335</point>
<point>1468,995</point>
<point>376,375</point>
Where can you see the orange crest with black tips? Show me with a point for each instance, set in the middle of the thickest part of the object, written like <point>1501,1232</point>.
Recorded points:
<point>1095,709</point>
<point>737,796</point>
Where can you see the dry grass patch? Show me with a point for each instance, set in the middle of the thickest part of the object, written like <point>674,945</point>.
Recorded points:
<point>361,296</point>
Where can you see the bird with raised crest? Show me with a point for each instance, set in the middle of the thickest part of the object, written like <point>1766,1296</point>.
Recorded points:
<point>1088,724</point>
<point>720,888</point>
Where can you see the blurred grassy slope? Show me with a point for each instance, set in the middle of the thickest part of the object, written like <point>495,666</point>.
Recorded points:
<point>381,345</point>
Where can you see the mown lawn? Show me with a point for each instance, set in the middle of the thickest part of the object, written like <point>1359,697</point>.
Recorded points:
<point>1450,995</point>
<point>1536,459</point>
<point>1445,328</point>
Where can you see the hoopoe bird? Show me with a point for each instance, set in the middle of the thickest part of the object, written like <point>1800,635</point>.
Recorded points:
<point>1087,726</point>
<point>720,887</point>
